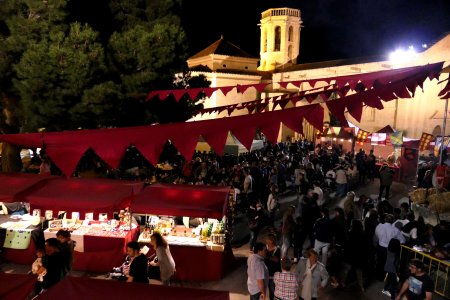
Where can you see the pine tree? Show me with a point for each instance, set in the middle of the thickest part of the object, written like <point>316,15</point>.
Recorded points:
<point>63,67</point>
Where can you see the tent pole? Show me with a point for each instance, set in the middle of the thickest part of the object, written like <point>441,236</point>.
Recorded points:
<point>443,131</point>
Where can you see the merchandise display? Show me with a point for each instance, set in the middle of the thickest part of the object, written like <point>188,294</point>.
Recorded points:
<point>210,234</point>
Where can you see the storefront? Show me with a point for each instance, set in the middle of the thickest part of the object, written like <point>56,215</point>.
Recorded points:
<point>207,244</point>
<point>86,207</point>
<point>20,234</point>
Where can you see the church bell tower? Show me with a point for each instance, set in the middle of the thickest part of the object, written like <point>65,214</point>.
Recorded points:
<point>280,38</point>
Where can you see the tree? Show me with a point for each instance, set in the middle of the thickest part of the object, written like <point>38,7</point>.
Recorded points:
<point>61,68</point>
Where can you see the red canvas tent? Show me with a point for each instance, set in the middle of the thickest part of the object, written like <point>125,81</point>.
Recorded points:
<point>182,200</point>
<point>97,289</point>
<point>15,186</point>
<point>84,195</point>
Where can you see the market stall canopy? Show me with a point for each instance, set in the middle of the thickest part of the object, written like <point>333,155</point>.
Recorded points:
<point>96,289</point>
<point>15,186</point>
<point>182,200</point>
<point>386,129</point>
<point>16,286</point>
<point>84,195</point>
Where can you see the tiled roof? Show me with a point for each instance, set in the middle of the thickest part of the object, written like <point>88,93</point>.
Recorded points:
<point>222,47</point>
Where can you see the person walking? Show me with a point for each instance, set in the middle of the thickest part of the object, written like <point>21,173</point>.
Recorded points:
<point>257,272</point>
<point>419,285</point>
<point>272,261</point>
<point>386,178</point>
<point>312,274</point>
<point>384,232</point>
<point>287,230</point>
<point>323,232</point>
<point>355,253</point>
<point>286,282</point>
<point>391,268</point>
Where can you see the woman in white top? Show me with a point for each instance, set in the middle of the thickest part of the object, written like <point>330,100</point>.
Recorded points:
<point>163,258</point>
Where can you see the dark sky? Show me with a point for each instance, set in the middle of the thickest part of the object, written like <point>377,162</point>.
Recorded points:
<point>332,29</point>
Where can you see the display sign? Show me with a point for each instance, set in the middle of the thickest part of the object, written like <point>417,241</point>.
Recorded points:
<point>89,216</point>
<point>49,214</point>
<point>103,217</point>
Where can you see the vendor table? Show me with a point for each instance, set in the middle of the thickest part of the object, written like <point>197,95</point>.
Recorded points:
<point>97,250</point>
<point>19,239</point>
<point>195,261</point>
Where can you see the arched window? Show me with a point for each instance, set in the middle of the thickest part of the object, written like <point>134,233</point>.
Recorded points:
<point>277,45</point>
<point>264,41</point>
<point>291,34</point>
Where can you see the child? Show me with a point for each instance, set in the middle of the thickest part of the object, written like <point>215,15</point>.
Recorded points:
<point>37,265</point>
<point>121,273</point>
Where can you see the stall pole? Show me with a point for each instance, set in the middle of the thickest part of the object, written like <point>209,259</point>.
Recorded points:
<point>443,131</point>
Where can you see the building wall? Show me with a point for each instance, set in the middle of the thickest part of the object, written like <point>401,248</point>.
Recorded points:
<point>215,62</point>
<point>233,97</point>
<point>416,115</point>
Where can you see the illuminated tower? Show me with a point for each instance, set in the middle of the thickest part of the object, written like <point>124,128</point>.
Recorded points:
<point>280,38</point>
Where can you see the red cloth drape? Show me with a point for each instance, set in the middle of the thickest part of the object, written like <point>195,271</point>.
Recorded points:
<point>74,288</point>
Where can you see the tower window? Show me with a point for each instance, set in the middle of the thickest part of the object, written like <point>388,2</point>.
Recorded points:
<point>277,45</point>
<point>224,65</point>
<point>291,34</point>
<point>264,41</point>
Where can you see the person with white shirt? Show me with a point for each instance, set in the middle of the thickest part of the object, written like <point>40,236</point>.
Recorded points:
<point>384,232</point>
<point>257,273</point>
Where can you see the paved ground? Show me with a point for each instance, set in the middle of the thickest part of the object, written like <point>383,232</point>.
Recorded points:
<point>235,280</point>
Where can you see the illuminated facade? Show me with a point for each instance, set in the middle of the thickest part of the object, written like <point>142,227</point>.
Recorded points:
<point>280,47</point>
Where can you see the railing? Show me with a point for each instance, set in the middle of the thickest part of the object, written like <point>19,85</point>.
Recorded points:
<point>281,12</point>
<point>438,270</point>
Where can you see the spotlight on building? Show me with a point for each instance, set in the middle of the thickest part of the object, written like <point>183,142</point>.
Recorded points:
<point>401,56</point>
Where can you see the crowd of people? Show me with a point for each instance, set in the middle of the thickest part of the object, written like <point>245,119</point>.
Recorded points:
<point>363,236</point>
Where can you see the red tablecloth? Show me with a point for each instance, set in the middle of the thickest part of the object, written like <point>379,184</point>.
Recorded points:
<point>23,257</point>
<point>101,254</point>
<point>200,264</point>
<point>16,286</point>
<point>96,289</point>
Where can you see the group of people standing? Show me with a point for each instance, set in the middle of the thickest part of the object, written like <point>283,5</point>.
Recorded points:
<point>54,262</point>
<point>137,267</point>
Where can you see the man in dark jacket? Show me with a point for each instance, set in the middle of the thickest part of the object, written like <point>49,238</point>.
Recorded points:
<point>323,232</point>
<point>386,178</point>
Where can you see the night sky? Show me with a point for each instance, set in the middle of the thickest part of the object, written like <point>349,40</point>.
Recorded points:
<point>333,29</point>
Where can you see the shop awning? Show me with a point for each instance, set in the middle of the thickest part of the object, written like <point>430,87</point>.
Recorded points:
<point>84,195</point>
<point>182,200</point>
<point>15,186</point>
<point>96,289</point>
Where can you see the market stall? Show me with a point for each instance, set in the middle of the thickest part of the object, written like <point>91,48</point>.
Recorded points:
<point>96,289</point>
<point>87,208</point>
<point>16,286</point>
<point>20,233</point>
<point>204,245</point>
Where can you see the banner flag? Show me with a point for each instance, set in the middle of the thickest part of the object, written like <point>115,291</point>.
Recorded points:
<point>425,141</point>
